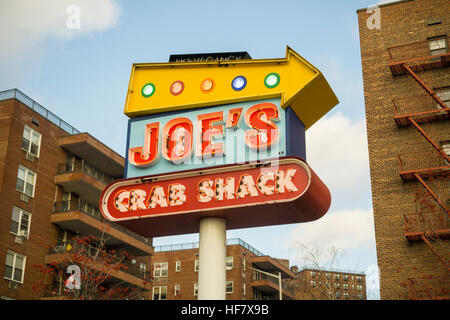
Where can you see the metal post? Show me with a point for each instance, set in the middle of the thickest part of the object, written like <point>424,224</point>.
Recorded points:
<point>280,287</point>
<point>212,253</point>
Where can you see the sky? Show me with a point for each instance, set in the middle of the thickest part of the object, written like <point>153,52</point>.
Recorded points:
<point>80,69</point>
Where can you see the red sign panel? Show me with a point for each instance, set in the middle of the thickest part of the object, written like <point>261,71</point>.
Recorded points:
<point>271,192</point>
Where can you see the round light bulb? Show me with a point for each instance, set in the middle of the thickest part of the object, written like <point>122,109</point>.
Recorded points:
<point>148,90</point>
<point>239,83</point>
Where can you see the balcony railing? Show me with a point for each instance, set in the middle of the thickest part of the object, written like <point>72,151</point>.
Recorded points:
<point>437,223</point>
<point>195,245</point>
<point>30,103</point>
<point>71,246</point>
<point>83,166</point>
<point>422,104</point>
<point>89,209</point>
<point>256,276</point>
<point>414,51</point>
<point>422,161</point>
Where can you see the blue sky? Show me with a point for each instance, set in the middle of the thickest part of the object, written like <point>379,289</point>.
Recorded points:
<point>82,75</point>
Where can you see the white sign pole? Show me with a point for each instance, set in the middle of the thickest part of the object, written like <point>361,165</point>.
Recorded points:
<point>212,253</point>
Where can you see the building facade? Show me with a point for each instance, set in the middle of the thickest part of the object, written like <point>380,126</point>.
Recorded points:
<point>405,64</point>
<point>314,284</point>
<point>175,273</point>
<point>51,179</point>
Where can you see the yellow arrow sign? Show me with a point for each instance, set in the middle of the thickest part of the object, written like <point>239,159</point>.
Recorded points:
<point>161,87</point>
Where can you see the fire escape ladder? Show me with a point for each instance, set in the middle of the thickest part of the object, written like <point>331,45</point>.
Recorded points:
<point>425,87</point>
<point>432,193</point>
<point>444,263</point>
<point>428,138</point>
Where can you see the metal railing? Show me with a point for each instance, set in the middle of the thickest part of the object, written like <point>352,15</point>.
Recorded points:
<point>256,276</point>
<point>416,104</point>
<point>85,207</point>
<point>431,222</point>
<point>421,161</point>
<point>81,165</point>
<point>412,50</point>
<point>195,245</point>
<point>33,105</point>
<point>71,246</point>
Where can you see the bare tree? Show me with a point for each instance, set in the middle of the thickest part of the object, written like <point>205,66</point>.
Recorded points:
<point>322,264</point>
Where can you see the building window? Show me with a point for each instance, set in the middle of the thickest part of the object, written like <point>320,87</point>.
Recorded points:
<point>196,265</point>
<point>446,147</point>
<point>345,286</point>
<point>31,141</point>
<point>360,296</point>
<point>20,222</point>
<point>229,287</point>
<point>195,289</point>
<point>177,290</point>
<point>228,263</point>
<point>142,268</point>
<point>327,275</point>
<point>243,290</point>
<point>444,95</point>
<point>359,278</point>
<point>346,295</point>
<point>359,287</point>
<point>337,294</point>
<point>26,181</point>
<point>337,285</point>
<point>160,293</point>
<point>313,283</point>
<point>438,46</point>
<point>312,274</point>
<point>337,277</point>
<point>345,277</point>
<point>14,266</point>
<point>177,266</point>
<point>160,269</point>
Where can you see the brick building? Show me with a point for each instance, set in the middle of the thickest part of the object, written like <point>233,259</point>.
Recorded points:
<point>313,284</point>
<point>51,178</point>
<point>175,273</point>
<point>405,65</point>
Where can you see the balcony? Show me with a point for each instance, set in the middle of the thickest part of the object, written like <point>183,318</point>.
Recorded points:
<point>269,286</point>
<point>81,217</point>
<point>83,179</point>
<point>418,56</point>
<point>64,252</point>
<point>435,224</point>
<point>94,152</point>
<point>423,109</point>
<point>425,162</point>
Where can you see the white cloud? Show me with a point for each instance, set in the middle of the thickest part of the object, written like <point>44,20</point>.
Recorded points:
<point>25,24</point>
<point>346,229</point>
<point>337,151</point>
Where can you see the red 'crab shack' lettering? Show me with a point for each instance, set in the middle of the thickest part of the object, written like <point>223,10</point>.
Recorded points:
<point>220,189</point>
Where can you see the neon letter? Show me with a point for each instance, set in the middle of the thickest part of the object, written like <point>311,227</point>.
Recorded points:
<point>264,132</point>
<point>285,181</point>
<point>206,131</point>
<point>148,155</point>
<point>177,140</point>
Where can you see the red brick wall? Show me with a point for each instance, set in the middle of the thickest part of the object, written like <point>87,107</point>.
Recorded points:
<point>13,116</point>
<point>401,23</point>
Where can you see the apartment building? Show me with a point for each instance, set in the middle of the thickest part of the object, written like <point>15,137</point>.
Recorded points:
<point>51,178</point>
<point>313,284</point>
<point>249,273</point>
<point>405,65</point>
